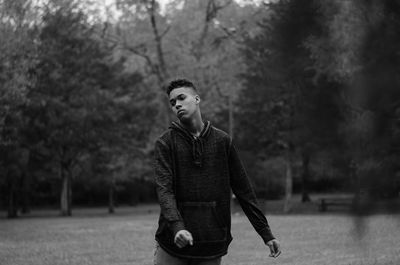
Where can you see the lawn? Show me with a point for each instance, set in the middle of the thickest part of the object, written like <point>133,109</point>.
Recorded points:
<point>94,237</point>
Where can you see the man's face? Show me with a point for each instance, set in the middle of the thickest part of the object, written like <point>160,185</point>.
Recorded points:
<point>184,102</point>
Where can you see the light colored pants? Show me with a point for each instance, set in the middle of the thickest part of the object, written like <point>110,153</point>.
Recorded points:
<point>161,257</point>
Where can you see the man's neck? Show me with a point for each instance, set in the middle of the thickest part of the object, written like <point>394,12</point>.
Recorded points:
<point>194,126</point>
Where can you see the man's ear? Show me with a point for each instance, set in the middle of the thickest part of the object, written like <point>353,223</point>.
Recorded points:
<point>197,97</point>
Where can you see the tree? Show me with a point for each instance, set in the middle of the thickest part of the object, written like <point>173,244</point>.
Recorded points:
<point>356,49</point>
<point>17,55</point>
<point>141,32</point>
<point>123,137</point>
<point>282,105</point>
<point>190,39</point>
<point>77,86</point>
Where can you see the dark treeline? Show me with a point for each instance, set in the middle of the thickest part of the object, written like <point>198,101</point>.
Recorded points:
<point>309,90</point>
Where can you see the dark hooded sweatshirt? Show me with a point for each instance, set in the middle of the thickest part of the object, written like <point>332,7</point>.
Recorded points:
<point>194,177</point>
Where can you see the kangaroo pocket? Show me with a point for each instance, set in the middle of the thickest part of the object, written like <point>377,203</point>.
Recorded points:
<point>204,222</point>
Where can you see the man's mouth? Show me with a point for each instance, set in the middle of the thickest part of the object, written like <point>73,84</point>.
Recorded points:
<point>180,112</point>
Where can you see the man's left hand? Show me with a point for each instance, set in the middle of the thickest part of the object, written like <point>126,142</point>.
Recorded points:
<point>274,247</point>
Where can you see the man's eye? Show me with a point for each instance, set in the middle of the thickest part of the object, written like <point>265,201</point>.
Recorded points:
<point>181,97</point>
<point>172,103</point>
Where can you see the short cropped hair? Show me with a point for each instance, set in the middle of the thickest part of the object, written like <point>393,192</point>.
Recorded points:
<point>178,83</point>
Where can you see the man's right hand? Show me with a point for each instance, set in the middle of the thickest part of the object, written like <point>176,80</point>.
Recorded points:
<point>183,238</point>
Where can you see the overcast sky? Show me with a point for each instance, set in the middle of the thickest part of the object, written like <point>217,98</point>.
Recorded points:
<point>108,6</point>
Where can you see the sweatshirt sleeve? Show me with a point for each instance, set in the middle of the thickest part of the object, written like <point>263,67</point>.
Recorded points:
<point>244,192</point>
<point>164,186</point>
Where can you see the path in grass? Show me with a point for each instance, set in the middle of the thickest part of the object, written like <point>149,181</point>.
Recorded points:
<point>128,239</point>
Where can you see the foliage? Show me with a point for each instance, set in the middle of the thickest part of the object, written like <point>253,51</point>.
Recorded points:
<point>198,40</point>
<point>81,94</point>
<point>17,51</point>
<point>268,178</point>
<point>358,51</point>
<point>16,57</point>
<point>83,104</point>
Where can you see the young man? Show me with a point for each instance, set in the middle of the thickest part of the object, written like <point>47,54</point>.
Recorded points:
<point>196,166</point>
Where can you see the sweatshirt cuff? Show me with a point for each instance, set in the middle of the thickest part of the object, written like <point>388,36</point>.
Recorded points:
<point>177,226</point>
<point>266,235</point>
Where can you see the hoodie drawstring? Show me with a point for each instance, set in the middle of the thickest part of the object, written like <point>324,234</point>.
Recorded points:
<point>197,151</point>
<point>196,142</point>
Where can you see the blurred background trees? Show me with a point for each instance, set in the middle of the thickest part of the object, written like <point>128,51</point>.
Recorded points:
<point>308,89</point>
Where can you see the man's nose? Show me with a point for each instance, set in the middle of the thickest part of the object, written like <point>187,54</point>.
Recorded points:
<point>178,106</point>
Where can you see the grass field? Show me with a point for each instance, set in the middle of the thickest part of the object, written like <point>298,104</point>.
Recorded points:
<point>94,237</point>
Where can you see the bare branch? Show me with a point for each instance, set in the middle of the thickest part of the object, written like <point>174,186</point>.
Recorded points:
<point>212,10</point>
<point>161,68</point>
<point>350,106</point>
<point>165,31</point>
<point>136,50</point>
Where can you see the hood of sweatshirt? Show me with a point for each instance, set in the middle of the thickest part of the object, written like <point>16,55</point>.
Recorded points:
<point>196,142</point>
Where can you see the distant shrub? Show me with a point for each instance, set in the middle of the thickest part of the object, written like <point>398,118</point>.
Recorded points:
<point>269,178</point>
<point>378,177</point>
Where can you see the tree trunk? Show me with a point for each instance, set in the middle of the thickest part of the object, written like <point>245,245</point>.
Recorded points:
<point>26,193</point>
<point>231,130</point>
<point>12,199</point>
<point>304,178</point>
<point>162,69</point>
<point>12,203</point>
<point>164,112</point>
<point>288,182</point>
<point>111,205</point>
<point>26,181</point>
<point>65,193</point>
<point>231,118</point>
